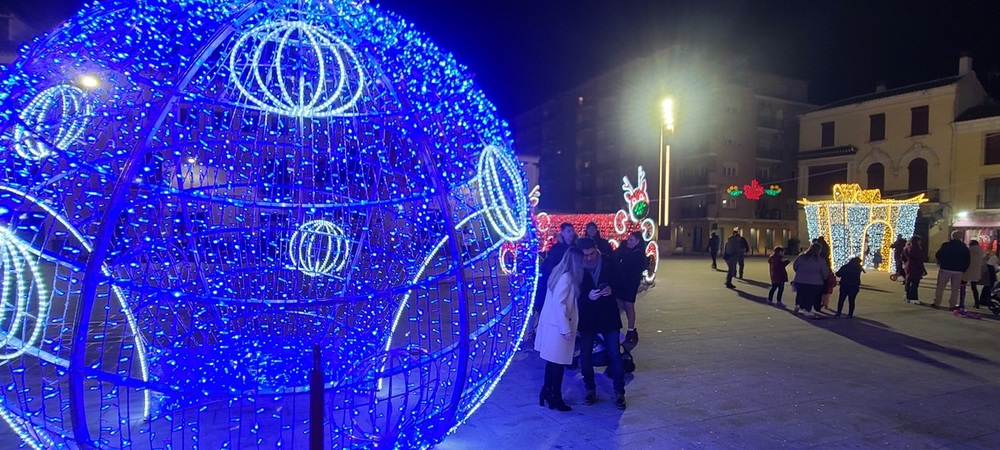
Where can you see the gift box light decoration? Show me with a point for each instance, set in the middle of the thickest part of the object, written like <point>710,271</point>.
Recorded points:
<point>858,222</point>
<point>195,194</point>
<point>613,227</point>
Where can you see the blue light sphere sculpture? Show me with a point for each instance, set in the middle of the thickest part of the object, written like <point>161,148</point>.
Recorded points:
<point>196,195</point>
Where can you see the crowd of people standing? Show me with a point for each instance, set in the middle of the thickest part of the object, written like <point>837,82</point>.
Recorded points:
<point>584,287</point>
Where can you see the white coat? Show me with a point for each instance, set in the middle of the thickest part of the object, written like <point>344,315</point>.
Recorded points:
<point>559,316</point>
<point>977,257</point>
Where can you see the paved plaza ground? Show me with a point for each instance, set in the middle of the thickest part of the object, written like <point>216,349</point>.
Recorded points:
<point>718,368</point>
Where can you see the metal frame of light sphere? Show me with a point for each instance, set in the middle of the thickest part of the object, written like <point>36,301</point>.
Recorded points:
<point>196,195</point>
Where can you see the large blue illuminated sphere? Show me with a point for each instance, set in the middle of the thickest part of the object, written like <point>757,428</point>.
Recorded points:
<point>195,195</point>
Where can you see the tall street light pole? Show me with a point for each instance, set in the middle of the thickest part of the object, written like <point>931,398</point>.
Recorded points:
<point>666,131</point>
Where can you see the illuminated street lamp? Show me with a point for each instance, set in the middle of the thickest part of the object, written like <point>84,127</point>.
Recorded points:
<point>667,126</point>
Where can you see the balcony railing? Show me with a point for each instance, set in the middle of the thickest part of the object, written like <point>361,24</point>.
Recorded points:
<point>768,153</point>
<point>933,195</point>
<point>695,180</point>
<point>693,212</point>
<point>772,214</point>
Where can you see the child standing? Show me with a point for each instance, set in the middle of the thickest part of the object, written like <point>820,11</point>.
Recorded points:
<point>779,276</point>
<point>850,284</point>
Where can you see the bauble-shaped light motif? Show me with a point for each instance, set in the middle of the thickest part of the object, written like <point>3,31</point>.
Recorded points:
<point>319,248</point>
<point>296,69</point>
<point>56,116</point>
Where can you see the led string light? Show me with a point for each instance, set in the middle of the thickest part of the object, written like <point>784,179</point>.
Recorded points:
<point>497,174</point>
<point>23,287</point>
<point>319,247</point>
<point>858,222</point>
<point>127,311</point>
<point>202,250</point>
<point>58,115</point>
<point>280,38</point>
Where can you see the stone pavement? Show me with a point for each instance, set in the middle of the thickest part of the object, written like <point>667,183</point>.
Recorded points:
<point>718,368</point>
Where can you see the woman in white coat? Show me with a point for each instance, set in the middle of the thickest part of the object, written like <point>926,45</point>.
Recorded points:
<point>556,336</point>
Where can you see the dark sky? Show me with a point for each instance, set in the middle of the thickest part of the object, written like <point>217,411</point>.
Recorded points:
<point>524,51</point>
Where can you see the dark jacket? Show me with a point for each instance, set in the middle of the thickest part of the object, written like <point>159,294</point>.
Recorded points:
<point>953,255</point>
<point>631,263</point>
<point>603,245</point>
<point>850,275</point>
<point>713,243</point>
<point>778,272</point>
<point>601,314</point>
<point>914,257</point>
<point>897,249</point>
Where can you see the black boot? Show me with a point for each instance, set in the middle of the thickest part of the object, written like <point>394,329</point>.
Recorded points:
<point>556,402</point>
<point>543,395</point>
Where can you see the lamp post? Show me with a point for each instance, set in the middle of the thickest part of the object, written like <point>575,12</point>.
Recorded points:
<point>666,127</point>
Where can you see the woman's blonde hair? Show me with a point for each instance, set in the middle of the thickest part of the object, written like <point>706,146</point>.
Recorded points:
<point>571,263</point>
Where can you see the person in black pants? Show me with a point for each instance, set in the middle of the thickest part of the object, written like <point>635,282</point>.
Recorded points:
<point>599,315</point>
<point>746,249</point>
<point>850,284</point>
<point>632,261</point>
<point>713,248</point>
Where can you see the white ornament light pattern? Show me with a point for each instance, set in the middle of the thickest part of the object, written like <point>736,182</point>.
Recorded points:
<point>318,248</point>
<point>498,173</point>
<point>24,301</point>
<point>57,115</point>
<point>296,69</point>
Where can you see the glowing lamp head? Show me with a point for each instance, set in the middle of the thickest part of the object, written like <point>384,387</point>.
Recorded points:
<point>668,113</point>
<point>962,215</point>
<point>89,81</point>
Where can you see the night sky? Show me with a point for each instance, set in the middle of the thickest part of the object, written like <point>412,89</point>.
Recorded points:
<point>522,52</point>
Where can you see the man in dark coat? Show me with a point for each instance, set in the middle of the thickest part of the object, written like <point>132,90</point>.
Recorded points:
<point>953,260</point>
<point>746,249</point>
<point>599,314</point>
<point>732,254</point>
<point>713,247</point>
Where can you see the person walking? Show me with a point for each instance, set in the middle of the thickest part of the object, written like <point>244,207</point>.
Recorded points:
<point>599,316</point>
<point>897,256</point>
<point>850,285</point>
<point>953,260</point>
<point>811,273</point>
<point>631,263</point>
<point>556,336</point>
<point>732,254</point>
<point>913,256</point>
<point>594,233</point>
<point>779,275</point>
<point>973,276</point>
<point>746,249</point>
<point>713,248</point>
<point>989,278</point>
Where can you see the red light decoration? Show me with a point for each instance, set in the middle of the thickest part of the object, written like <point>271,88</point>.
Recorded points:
<point>753,191</point>
<point>614,227</point>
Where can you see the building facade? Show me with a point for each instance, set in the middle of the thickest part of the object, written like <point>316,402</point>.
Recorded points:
<point>901,141</point>
<point>732,127</point>
<point>975,207</point>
